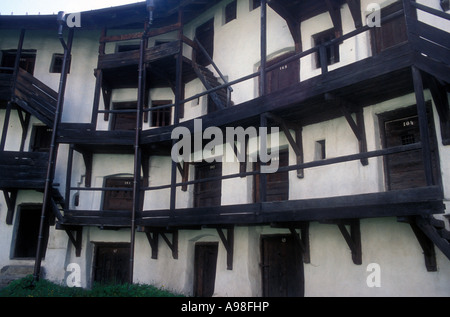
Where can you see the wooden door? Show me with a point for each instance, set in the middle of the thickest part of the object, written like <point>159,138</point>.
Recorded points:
<point>127,120</point>
<point>111,263</point>
<point>282,76</point>
<point>282,267</point>
<point>405,170</point>
<point>118,199</point>
<point>205,35</point>
<point>390,33</point>
<point>205,269</point>
<point>208,194</point>
<point>277,184</point>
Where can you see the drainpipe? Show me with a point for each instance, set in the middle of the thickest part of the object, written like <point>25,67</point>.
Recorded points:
<point>137,147</point>
<point>53,146</point>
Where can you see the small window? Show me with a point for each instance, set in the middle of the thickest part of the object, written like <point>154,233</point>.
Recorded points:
<point>127,47</point>
<point>231,11</point>
<point>332,51</point>
<point>161,117</point>
<point>320,150</point>
<point>254,4</point>
<point>41,138</point>
<point>57,63</point>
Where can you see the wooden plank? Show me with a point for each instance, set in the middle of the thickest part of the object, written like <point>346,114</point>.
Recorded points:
<point>152,54</point>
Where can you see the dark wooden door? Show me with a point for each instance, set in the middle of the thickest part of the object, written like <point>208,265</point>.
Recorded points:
<point>205,35</point>
<point>282,267</point>
<point>124,120</point>
<point>119,199</point>
<point>390,33</point>
<point>277,184</point>
<point>111,264</point>
<point>282,76</point>
<point>209,193</point>
<point>205,269</point>
<point>406,169</point>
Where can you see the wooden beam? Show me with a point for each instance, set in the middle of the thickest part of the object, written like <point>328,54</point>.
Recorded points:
<point>427,246</point>
<point>10,198</point>
<point>297,144</point>
<point>77,239</point>
<point>423,124</point>
<point>440,97</point>
<point>357,127</point>
<point>228,243</point>
<point>353,238</point>
<point>302,239</point>
<point>153,240</point>
<point>173,245</point>
<point>355,10</point>
<point>335,14</point>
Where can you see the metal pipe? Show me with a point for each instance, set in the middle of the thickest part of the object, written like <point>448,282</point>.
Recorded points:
<point>53,146</point>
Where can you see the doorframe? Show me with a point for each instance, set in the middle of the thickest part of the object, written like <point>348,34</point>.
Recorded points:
<point>399,113</point>
<point>261,248</point>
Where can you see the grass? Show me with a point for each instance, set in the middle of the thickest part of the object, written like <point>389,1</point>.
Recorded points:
<point>26,287</point>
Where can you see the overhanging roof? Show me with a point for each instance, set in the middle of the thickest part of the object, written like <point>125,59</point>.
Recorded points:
<point>130,16</point>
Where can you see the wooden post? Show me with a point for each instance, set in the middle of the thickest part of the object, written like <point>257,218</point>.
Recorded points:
<point>262,81</point>
<point>423,124</point>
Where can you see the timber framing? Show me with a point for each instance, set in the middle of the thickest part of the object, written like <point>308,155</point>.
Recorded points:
<point>419,63</point>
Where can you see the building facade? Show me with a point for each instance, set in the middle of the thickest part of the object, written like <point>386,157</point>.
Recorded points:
<point>144,131</point>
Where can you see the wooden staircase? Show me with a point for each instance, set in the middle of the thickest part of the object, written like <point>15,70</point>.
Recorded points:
<point>219,97</point>
<point>431,232</point>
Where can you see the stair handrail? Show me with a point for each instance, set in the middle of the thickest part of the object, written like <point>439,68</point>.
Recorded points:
<point>205,53</point>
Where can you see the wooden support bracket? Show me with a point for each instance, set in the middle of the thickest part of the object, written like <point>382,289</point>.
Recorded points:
<point>427,246</point>
<point>228,242</point>
<point>440,97</point>
<point>75,239</point>
<point>297,145</point>
<point>353,238</point>
<point>88,158</point>
<point>358,126</point>
<point>153,239</point>
<point>10,198</point>
<point>302,239</point>
<point>355,10</point>
<point>335,14</point>
<point>184,171</point>
<point>173,245</point>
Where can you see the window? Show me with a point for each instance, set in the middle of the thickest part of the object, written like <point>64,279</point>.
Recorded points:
<point>254,4</point>
<point>332,51</point>
<point>231,11</point>
<point>207,194</point>
<point>41,138</point>
<point>124,120</point>
<point>127,47</point>
<point>27,59</point>
<point>57,63</point>
<point>27,233</point>
<point>320,150</point>
<point>161,117</point>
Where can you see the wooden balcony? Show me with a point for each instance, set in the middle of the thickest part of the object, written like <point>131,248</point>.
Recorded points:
<point>23,170</point>
<point>30,94</point>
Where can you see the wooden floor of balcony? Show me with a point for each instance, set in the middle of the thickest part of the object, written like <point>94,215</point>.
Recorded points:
<point>423,201</point>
